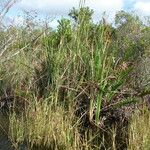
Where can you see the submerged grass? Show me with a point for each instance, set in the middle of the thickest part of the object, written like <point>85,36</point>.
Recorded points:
<point>45,126</point>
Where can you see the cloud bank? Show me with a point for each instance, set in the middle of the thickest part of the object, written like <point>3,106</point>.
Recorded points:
<point>62,7</point>
<point>58,8</point>
<point>143,6</point>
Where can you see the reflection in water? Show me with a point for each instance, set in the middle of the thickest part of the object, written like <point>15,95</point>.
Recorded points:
<point>5,143</point>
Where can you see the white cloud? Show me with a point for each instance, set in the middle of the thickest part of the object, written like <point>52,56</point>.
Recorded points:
<point>62,7</point>
<point>18,20</point>
<point>105,5</point>
<point>57,8</point>
<point>54,7</point>
<point>143,6</point>
<point>108,6</point>
<point>13,20</point>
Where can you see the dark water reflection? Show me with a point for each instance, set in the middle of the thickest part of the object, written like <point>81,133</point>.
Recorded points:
<point>5,143</point>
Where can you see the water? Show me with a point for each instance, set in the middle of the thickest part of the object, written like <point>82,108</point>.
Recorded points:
<point>5,143</point>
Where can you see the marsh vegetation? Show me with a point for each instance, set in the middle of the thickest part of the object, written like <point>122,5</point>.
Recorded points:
<point>81,86</point>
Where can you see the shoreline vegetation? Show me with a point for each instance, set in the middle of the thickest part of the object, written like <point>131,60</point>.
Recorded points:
<point>82,86</point>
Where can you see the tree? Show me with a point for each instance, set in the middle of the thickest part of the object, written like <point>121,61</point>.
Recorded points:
<point>84,14</point>
<point>129,33</point>
<point>64,31</point>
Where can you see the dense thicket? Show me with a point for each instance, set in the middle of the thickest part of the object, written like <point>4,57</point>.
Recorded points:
<point>93,76</point>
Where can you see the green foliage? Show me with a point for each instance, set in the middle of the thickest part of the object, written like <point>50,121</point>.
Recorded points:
<point>124,18</point>
<point>129,34</point>
<point>82,15</point>
<point>64,31</point>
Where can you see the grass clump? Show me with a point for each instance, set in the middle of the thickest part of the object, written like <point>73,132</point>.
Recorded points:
<point>139,131</point>
<point>44,126</point>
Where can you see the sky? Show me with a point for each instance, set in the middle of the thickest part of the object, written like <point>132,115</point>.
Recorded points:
<point>58,8</point>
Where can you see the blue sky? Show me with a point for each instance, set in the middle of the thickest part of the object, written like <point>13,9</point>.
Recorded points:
<point>58,8</point>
